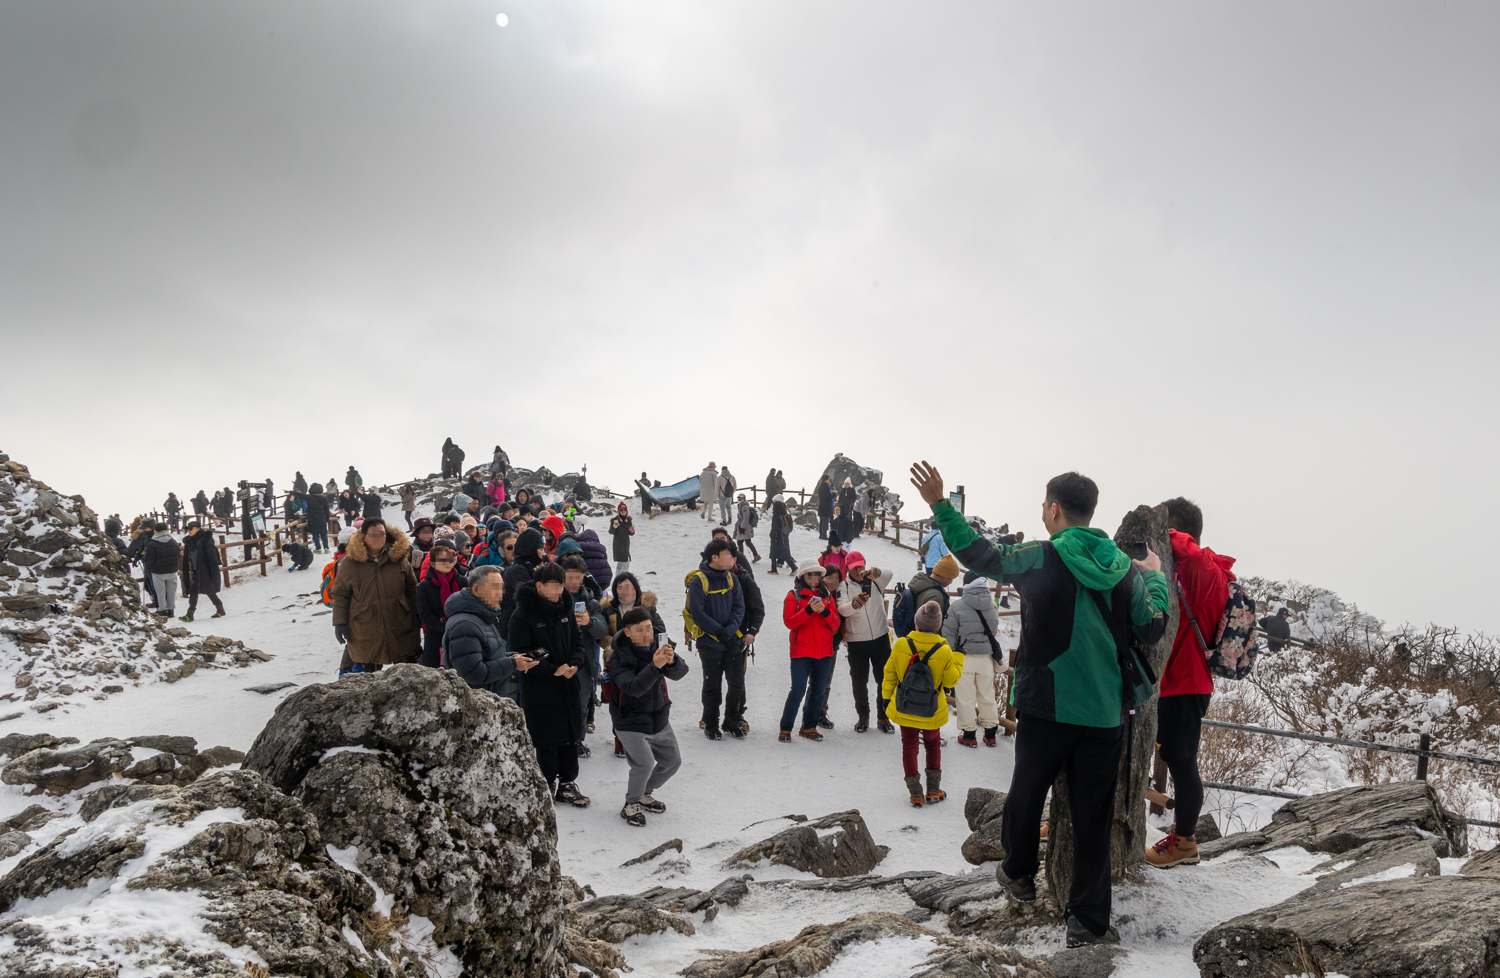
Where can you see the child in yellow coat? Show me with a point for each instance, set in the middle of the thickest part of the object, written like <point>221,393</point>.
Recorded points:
<point>947,666</point>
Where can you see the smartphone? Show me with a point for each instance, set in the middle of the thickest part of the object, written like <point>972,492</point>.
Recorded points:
<point>1135,550</point>
<point>579,607</point>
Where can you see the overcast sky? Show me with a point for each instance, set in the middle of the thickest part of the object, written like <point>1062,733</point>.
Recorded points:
<point>1241,252</point>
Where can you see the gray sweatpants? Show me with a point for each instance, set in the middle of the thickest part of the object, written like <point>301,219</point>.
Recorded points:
<point>653,759</point>
<point>724,504</point>
<point>166,592</point>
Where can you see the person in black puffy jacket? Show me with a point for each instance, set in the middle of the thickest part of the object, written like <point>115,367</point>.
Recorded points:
<point>471,637</point>
<point>642,662</point>
<point>543,627</point>
<point>595,555</point>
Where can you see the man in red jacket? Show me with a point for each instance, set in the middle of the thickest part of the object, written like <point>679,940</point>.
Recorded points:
<point>1203,579</point>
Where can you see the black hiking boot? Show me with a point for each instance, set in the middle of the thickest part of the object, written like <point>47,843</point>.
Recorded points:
<point>824,722</point>
<point>862,725</point>
<point>1081,936</point>
<point>1021,891</point>
<point>712,733</point>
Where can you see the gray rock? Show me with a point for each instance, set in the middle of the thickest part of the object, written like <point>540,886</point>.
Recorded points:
<point>731,891</point>
<point>32,817</point>
<point>1487,863</point>
<point>616,919</point>
<point>1436,927</point>
<point>983,805</point>
<point>1374,858</point>
<point>947,893</point>
<point>834,845</point>
<point>816,947</point>
<point>165,742</point>
<point>646,857</point>
<point>222,756</point>
<point>983,845</point>
<point>1347,819</point>
<point>447,806</point>
<point>12,842</point>
<point>150,766</point>
<point>1232,843</point>
<point>61,771</point>
<point>16,744</point>
<point>1207,830</point>
<point>1086,962</point>
<point>268,688</point>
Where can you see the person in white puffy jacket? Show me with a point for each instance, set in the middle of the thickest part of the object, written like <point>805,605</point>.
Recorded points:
<point>861,601</point>
<point>971,620</point>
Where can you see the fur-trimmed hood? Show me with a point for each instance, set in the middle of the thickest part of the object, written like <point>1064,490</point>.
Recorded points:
<point>397,547</point>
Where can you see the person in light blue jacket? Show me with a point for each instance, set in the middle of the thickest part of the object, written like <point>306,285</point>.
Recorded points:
<point>931,548</point>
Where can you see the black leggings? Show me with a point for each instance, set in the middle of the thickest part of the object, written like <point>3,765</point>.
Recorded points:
<point>865,657</point>
<point>559,764</point>
<point>193,602</point>
<point>1177,729</point>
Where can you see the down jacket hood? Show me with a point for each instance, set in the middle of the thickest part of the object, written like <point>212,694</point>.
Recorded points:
<point>1091,556</point>
<point>397,547</point>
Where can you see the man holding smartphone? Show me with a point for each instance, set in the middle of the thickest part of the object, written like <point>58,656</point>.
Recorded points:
<point>639,669</point>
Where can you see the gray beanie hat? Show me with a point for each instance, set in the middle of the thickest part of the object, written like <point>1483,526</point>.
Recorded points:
<point>929,618</point>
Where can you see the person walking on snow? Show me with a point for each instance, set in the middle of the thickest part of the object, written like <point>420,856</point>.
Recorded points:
<point>408,504</point>
<point>640,664</point>
<point>726,489</point>
<point>744,527</point>
<point>162,558</point>
<point>771,490</point>
<point>200,570</point>
<point>1077,588</point>
<point>1186,685</point>
<point>970,629</point>
<point>861,602</point>
<point>781,536</point>
<point>708,490</point>
<point>621,529</point>
<point>173,509</point>
<point>924,644</point>
<point>825,506</point>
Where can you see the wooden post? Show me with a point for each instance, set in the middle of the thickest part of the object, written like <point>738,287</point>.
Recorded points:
<point>278,546</point>
<point>1158,782</point>
<point>262,545</point>
<point>224,558</point>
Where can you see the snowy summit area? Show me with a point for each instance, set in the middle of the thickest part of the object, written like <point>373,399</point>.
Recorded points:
<point>209,797</point>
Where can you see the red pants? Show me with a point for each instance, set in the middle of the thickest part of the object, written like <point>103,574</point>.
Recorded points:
<point>929,739</point>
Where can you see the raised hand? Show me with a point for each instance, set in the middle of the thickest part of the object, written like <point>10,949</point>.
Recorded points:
<point>928,481</point>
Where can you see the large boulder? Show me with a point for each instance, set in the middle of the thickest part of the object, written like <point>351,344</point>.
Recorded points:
<point>60,771</point>
<point>1339,821</point>
<point>982,810</point>
<point>433,791</point>
<point>834,845</point>
<point>816,947</point>
<point>1439,927</point>
<point>239,861</point>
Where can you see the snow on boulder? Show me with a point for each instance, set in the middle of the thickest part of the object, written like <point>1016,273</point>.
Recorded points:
<point>834,845</point>
<point>433,791</point>
<point>1437,927</point>
<point>72,626</point>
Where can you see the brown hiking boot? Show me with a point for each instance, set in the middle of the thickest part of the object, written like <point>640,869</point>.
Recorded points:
<point>1174,850</point>
<point>811,733</point>
<point>914,788</point>
<point>935,792</point>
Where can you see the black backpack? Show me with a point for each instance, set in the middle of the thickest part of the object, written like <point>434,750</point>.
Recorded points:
<point>904,611</point>
<point>917,694</point>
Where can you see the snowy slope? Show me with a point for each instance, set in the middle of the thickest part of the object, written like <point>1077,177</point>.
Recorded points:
<point>728,793</point>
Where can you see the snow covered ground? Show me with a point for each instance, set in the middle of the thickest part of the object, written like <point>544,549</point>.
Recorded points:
<point>728,793</point>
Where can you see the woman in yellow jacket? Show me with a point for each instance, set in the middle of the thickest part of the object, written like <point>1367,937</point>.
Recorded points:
<point>946,666</point>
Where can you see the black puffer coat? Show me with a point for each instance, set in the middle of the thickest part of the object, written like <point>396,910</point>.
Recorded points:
<point>317,508</point>
<point>518,574</point>
<point>476,649</point>
<point>372,505</point>
<point>554,715</point>
<point>640,703</point>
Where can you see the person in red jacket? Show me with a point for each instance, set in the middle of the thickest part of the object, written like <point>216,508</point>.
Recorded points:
<point>1203,581</point>
<point>812,615</point>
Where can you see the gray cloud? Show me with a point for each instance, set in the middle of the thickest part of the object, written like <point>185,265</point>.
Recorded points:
<point>1243,253</point>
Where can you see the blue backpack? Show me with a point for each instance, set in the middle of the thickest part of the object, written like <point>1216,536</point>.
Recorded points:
<point>904,614</point>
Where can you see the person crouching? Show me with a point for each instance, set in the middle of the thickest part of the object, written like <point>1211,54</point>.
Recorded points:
<point>638,670</point>
<point>920,709</point>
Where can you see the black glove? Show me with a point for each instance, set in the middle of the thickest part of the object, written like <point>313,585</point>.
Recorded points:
<point>341,632</point>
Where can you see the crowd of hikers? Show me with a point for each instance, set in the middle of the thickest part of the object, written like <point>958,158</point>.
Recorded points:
<point>523,599</point>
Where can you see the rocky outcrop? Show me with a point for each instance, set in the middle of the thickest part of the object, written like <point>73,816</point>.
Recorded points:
<point>434,788</point>
<point>1387,859</point>
<point>1339,821</point>
<point>405,831</point>
<point>149,759</point>
<point>831,846</point>
<point>842,467</point>
<point>982,810</point>
<point>72,627</point>
<point>1442,927</point>
<point>816,947</point>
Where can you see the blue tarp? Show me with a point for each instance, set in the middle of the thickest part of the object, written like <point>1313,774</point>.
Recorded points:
<point>677,493</point>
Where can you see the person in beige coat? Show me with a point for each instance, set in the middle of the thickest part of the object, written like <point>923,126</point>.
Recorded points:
<point>375,600</point>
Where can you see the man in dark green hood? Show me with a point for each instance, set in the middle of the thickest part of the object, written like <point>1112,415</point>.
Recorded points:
<point>1067,691</point>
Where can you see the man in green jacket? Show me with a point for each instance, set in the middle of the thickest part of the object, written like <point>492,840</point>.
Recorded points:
<point>1068,692</point>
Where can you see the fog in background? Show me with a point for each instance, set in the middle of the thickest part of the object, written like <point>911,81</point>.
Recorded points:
<point>1240,252</point>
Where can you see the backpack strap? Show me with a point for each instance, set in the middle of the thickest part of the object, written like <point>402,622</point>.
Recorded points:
<point>994,645</point>
<point>1182,601</point>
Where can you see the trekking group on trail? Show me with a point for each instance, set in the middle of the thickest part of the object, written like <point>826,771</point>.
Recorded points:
<point>524,600</point>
